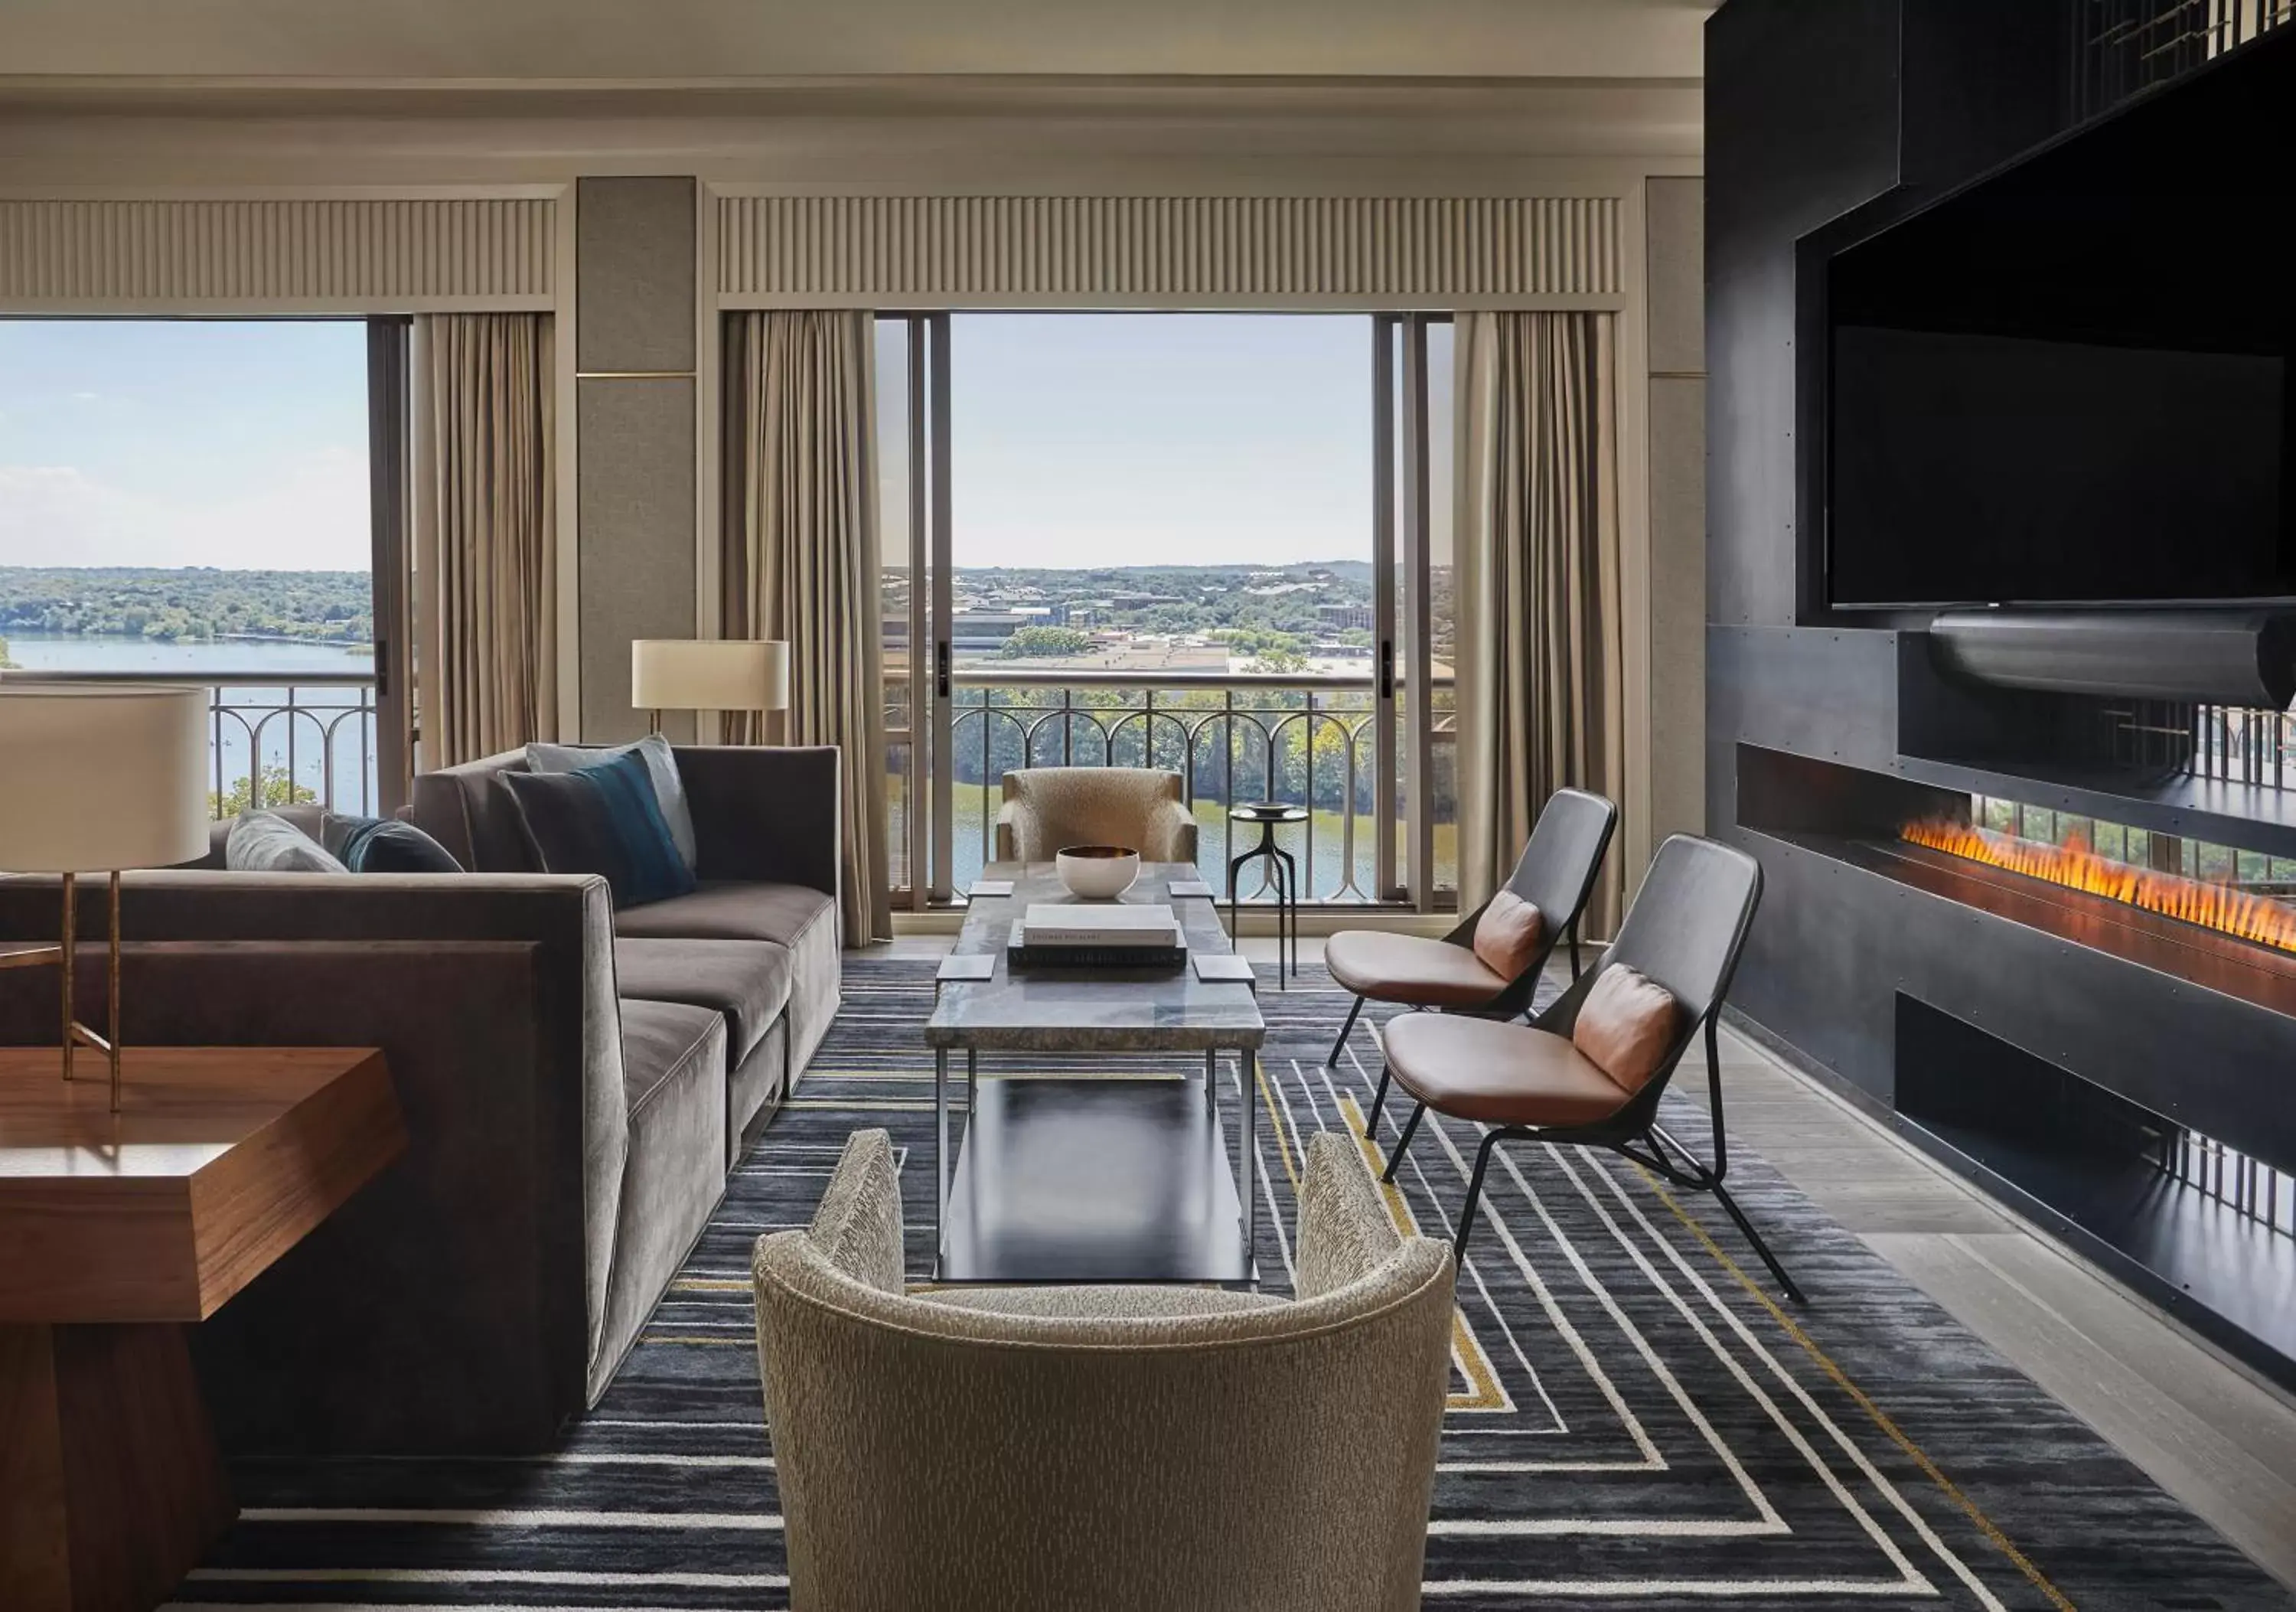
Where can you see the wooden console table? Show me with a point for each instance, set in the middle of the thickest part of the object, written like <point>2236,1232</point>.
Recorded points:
<point>116,1230</point>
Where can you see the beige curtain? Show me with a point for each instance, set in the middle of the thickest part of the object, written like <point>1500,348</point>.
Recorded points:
<point>486,559</point>
<point>1540,674</point>
<point>801,555</point>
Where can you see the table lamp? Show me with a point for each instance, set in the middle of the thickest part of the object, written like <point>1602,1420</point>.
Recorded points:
<point>99,777</point>
<point>708,674</point>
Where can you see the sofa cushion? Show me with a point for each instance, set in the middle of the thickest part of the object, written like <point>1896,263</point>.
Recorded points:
<point>747,980</point>
<point>603,819</point>
<point>780,913</point>
<point>661,769</point>
<point>263,842</point>
<point>385,845</point>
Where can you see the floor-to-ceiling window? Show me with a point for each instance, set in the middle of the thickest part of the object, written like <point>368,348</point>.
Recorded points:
<point>190,500</point>
<point>1185,541</point>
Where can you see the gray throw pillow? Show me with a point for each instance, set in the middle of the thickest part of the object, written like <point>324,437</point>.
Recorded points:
<point>264,842</point>
<point>662,767</point>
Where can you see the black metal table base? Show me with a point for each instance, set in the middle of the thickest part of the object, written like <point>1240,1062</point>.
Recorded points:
<point>1283,873</point>
<point>1093,1180</point>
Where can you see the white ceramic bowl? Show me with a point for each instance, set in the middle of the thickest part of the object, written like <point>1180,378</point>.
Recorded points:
<point>1097,873</point>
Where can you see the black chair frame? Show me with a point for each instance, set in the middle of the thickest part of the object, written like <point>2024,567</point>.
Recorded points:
<point>1633,1132</point>
<point>1516,999</point>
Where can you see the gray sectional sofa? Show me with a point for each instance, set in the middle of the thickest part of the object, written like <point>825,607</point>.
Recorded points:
<point>576,1081</point>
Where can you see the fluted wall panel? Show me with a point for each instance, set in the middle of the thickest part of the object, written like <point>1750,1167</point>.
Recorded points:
<point>376,254</point>
<point>887,250</point>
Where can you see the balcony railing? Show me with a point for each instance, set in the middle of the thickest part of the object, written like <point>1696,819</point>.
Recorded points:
<point>273,742</point>
<point>1232,736</point>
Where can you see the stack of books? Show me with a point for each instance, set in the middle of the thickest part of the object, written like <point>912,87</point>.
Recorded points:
<point>1051,934</point>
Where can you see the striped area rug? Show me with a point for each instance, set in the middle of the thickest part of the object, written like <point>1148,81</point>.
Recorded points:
<point>1633,1421</point>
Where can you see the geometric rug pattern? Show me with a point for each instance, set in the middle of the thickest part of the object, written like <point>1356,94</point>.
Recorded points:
<point>1635,1420</point>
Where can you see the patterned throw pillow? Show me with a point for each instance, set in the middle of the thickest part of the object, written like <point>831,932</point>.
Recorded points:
<point>385,845</point>
<point>603,818</point>
<point>264,842</point>
<point>662,767</point>
<point>1508,934</point>
<point>1626,1025</point>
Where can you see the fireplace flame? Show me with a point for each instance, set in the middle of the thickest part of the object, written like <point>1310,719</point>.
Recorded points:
<point>2074,865</point>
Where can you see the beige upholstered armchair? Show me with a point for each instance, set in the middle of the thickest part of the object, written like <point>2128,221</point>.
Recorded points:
<point>1046,808</point>
<point>1122,1449</point>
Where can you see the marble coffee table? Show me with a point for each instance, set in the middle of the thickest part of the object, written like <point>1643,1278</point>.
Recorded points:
<point>1119,1175</point>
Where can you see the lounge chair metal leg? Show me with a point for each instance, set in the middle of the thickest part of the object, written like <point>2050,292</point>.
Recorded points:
<point>1474,1196</point>
<point>1403,1142</point>
<point>1346,1029</point>
<point>1371,1120</point>
<point>1573,932</point>
<point>1746,1228</point>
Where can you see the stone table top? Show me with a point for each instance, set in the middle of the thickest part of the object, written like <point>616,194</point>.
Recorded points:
<point>1091,1009</point>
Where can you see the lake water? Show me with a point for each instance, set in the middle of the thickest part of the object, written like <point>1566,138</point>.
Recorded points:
<point>325,742</point>
<point>74,652</point>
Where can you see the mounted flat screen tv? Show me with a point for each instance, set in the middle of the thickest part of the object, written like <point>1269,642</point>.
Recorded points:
<point>2068,382</point>
<point>1979,468</point>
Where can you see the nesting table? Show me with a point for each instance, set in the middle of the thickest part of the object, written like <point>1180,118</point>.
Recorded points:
<point>115,1231</point>
<point>1119,1175</point>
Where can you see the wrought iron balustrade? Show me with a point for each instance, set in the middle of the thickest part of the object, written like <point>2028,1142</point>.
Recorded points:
<point>1232,736</point>
<point>272,740</point>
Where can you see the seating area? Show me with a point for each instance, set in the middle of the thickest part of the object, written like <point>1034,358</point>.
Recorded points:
<point>1066,806</point>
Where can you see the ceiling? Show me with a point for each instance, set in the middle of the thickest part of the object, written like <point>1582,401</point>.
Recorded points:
<point>100,48</point>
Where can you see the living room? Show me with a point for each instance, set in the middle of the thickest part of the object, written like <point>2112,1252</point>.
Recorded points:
<point>1049,805</point>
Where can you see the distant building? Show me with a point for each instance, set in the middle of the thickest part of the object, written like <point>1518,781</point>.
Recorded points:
<point>1338,618</point>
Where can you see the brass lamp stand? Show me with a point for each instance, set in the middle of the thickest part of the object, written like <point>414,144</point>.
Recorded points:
<point>124,767</point>
<point>63,954</point>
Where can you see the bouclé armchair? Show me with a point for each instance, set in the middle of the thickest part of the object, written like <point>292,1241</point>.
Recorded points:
<point>1046,808</point>
<point>1121,1449</point>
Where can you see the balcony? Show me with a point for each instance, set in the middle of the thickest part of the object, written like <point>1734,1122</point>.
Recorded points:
<point>1309,741</point>
<point>308,742</point>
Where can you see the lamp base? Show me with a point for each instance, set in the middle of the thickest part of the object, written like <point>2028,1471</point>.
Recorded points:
<point>64,955</point>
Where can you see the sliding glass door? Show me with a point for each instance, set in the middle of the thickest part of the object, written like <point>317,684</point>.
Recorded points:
<point>220,502</point>
<point>1212,543</point>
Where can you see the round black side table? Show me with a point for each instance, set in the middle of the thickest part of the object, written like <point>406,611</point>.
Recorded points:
<point>1283,873</point>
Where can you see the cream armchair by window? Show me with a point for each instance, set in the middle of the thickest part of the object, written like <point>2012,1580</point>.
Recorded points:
<point>1046,808</point>
<point>1122,1449</point>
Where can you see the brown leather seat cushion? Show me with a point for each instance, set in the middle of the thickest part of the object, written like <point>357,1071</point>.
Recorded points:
<point>1503,1074</point>
<point>1410,968</point>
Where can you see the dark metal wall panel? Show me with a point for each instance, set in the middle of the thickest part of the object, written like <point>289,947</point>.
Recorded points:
<point>1801,126</point>
<point>1814,691</point>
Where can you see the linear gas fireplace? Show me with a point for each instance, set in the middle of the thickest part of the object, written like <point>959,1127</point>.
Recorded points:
<point>2096,1017</point>
<point>2249,894</point>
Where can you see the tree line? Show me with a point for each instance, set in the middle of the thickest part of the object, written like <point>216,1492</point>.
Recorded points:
<point>191,605</point>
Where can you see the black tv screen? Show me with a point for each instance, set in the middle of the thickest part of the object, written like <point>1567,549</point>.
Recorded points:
<point>1972,468</point>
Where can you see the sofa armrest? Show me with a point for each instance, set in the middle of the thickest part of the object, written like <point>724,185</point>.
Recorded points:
<point>765,814</point>
<point>1345,1231</point>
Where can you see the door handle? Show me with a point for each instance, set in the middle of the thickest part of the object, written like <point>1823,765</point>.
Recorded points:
<point>941,668</point>
<point>1387,669</point>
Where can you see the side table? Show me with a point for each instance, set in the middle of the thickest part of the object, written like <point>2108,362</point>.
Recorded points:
<point>1283,873</point>
<point>116,1230</point>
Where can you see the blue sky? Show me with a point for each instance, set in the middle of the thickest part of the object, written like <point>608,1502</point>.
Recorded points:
<point>234,443</point>
<point>1083,439</point>
<point>1079,439</point>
